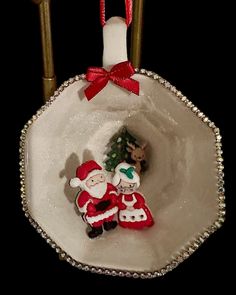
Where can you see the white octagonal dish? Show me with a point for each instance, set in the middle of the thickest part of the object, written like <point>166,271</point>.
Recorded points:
<point>183,185</point>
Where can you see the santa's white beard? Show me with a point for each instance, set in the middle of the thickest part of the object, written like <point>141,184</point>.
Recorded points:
<point>98,190</point>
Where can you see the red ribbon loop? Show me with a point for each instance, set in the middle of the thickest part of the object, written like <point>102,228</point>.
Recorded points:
<point>128,12</point>
<point>119,74</point>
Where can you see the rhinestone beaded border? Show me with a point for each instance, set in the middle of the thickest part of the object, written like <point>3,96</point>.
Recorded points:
<point>190,247</point>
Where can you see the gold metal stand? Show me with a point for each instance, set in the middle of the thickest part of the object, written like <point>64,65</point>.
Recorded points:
<point>49,78</point>
<point>136,33</point>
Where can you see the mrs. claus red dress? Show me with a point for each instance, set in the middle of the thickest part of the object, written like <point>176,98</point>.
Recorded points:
<point>133,212</point>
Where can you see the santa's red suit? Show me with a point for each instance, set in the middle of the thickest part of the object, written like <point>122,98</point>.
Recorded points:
<point>133,212</point>
<point>87,204</point>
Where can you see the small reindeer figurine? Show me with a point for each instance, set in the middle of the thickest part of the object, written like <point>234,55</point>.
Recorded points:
<point>137,154</point>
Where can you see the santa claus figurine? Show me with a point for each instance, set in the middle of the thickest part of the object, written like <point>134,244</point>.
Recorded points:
<point>133,212</point>
<point>98,200</point>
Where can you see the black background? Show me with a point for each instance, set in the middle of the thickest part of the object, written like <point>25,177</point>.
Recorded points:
<point>188,43</point>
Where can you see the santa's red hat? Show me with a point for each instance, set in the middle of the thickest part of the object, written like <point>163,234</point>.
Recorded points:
<point>85,171</point>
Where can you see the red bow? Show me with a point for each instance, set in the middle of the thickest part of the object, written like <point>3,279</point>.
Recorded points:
<point>119,74</point>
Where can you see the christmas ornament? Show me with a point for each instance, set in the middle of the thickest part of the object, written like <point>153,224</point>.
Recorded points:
<point>183,184</point>
<point>97,201</point>
<point>133,212</point>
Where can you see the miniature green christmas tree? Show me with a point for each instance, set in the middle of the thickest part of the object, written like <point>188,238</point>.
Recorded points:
<point>117,149</point>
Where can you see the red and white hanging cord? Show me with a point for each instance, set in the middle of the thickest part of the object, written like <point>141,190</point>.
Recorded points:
<point>128,12</point>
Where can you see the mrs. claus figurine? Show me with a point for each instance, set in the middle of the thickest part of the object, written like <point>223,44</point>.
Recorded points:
<point>98,200</point>
<point>133,212</point>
